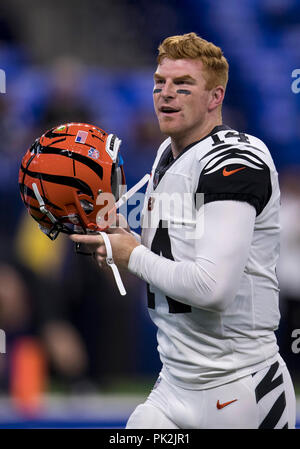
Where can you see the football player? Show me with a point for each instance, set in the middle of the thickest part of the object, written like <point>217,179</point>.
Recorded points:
<point>208,252</point>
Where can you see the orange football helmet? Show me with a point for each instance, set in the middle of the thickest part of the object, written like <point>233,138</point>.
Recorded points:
<point>64,172</point>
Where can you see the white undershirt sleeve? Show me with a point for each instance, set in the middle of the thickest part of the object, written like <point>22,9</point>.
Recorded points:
<point>210,281</point>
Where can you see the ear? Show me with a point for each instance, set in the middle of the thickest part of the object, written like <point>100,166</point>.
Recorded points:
<point>216,97</point>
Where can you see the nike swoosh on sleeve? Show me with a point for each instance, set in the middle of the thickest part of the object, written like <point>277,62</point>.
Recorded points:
<point>231,172</point>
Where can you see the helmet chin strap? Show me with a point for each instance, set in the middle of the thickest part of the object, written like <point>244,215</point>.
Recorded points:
<point>109,258</point>
<point>112,265</point>
<point>57,226</point>
<point>43,208</point>
<point>132,191</point>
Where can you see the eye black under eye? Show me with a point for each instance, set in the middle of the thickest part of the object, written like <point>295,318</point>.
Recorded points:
<point>184,91</point>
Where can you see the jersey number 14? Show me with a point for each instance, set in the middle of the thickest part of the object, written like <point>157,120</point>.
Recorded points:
<point>161,245</point>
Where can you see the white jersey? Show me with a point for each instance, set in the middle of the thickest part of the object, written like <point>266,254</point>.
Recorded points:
<point>202,346</point>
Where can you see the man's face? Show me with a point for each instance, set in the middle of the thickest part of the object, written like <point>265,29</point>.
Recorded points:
<point>180,99</point>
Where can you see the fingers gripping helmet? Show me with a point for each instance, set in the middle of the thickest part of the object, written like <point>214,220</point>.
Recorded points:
<point>64,172</point>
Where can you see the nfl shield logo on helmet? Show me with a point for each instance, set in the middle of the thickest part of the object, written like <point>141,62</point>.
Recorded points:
<point>93,153</point>
<point>81,136</point>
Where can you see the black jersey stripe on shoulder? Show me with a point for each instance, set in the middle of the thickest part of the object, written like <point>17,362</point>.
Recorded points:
<point>216,149</point>
<point>227,146</point>
<point>231,156</point>
<point>254,148</point>
<point>236,152</point>
<point>252,185</point>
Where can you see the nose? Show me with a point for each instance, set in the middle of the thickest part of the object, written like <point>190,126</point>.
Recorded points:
<point>168,91</point>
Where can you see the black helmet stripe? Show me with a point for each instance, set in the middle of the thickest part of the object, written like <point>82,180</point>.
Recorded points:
<point>56,141</point>
<point>50,134</point>
<point>41,219</point>
<point>97,137</point>
<point>33,208</point>
<point>64,180</point>
<point>97,168</point>
<point>27,165</point>
<point>25,190</point>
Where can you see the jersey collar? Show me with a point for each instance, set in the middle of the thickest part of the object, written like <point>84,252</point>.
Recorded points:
<point>167,159</point>
<point>215,130</point>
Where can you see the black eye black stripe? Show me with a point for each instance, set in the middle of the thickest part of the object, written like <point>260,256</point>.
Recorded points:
<point>184,91</point>
<point>75,156</point>
<point>29,192</point>
<point>64,180</point>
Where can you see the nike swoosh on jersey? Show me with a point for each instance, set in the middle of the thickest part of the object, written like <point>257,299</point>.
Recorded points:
<point>231,172</point>
<point>219,406</point>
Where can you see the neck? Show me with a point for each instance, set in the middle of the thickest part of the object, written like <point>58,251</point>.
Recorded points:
<point>179,143</point>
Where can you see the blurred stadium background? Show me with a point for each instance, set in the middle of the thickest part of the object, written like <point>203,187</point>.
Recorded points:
<point>77,353</point>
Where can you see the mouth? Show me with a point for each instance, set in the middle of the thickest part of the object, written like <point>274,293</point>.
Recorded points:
<point>168,110</point>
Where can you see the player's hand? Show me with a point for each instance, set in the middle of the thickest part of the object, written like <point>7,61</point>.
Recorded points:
<point>122,243</point>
